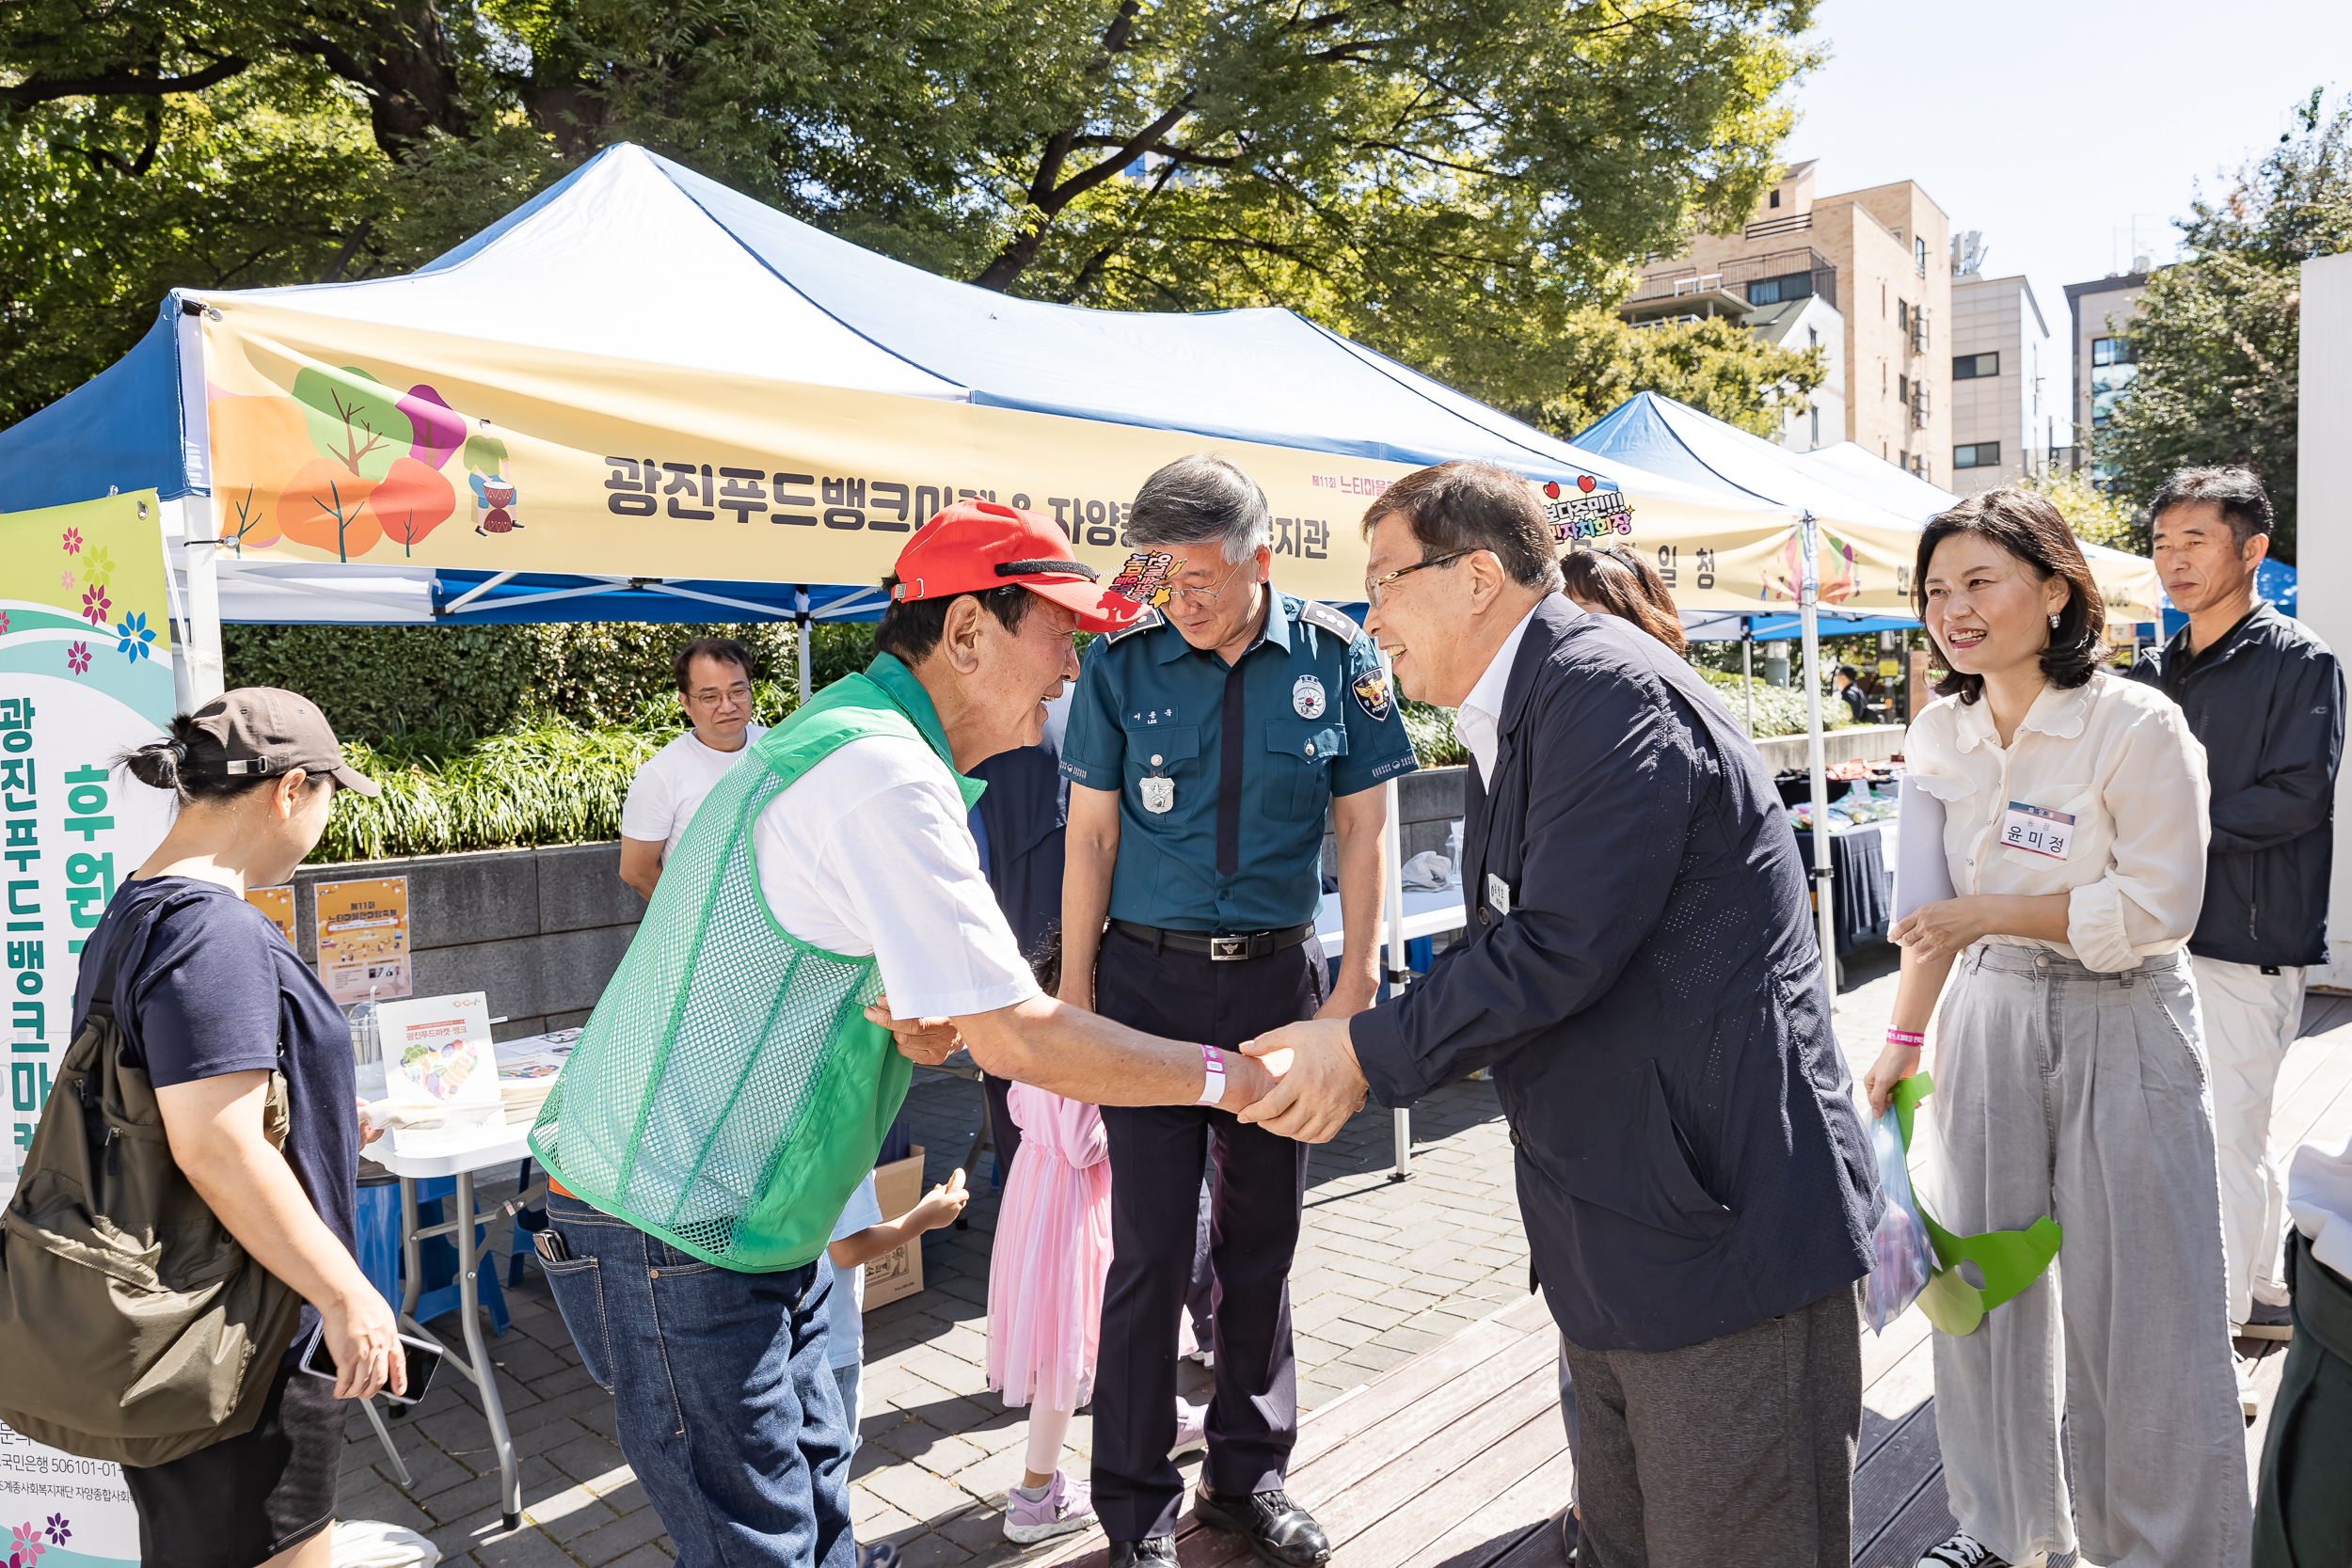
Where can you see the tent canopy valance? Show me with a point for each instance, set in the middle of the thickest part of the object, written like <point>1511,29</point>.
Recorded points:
<point>1870,522</point>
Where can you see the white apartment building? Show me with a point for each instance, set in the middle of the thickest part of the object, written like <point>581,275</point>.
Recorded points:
<point>2003,417</point>
<point>1818,420</point>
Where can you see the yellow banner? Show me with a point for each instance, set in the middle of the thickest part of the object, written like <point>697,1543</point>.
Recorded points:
<point>348,442</point>
<point>358,441</point>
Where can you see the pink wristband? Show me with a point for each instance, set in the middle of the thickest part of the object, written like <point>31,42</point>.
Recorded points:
<point>1213,1070</point>
<point>1906,1038</point>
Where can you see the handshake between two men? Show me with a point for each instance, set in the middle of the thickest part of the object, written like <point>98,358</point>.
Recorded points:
<point>1300,1081</point>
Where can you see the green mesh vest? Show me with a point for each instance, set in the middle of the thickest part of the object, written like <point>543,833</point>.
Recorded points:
<point>727,1094</point>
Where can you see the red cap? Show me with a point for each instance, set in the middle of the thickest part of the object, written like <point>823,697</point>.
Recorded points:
<point>976,545</point>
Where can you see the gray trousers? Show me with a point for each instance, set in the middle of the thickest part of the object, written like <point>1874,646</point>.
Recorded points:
<point>1738,1449</point>
<point>2063,1092</point>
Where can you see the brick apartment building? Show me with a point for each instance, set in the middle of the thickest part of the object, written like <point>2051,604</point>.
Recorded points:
<point>1879,259</point>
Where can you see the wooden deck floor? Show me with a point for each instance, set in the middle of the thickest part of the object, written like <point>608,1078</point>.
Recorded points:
<point>1456,1459</point>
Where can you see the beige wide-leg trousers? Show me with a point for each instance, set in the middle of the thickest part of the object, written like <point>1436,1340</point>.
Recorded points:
<point>2063,1092</point>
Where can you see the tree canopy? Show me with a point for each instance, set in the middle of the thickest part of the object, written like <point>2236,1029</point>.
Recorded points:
<point>2217,339</point>
<point>1460,183</point>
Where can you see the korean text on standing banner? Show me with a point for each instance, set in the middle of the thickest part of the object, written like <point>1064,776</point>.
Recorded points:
<point>84,673</point>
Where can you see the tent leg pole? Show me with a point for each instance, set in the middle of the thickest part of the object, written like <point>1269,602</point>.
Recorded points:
<point>1393,942</point>
<point>1747,669</point>
<point>206,678</point>
<point>802,659</point>
<point>1824,890</point>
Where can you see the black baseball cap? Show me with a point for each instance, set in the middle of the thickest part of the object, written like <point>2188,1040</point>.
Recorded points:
<point>265,732</point>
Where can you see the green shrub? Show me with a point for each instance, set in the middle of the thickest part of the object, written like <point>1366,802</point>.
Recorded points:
<point>393,686</point>
<point>1779,709</point>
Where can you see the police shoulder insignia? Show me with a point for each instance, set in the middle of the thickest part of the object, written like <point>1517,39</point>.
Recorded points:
<point>1144,622</point>
<point>1371,694</point>
<point>1318,614</point>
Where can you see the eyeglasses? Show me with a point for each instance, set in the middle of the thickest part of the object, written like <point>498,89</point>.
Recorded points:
<point>1374,585</point>
<point>1203,596</point>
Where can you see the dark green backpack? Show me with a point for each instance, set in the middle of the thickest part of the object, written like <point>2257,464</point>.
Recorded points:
<point>132,1326</point>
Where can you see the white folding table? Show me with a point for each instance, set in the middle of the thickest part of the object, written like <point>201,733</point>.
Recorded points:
<point>506,1147</point>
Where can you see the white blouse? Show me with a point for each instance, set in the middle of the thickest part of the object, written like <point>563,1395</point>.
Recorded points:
<point>2101,796</point>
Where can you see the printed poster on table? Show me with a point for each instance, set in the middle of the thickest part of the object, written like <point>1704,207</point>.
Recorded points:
<point>437,1058</point>
<point>363,938</point>
<point>85,673</point>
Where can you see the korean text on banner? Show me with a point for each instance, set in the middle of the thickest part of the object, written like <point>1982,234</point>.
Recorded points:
<point>84,673</point>
<point>363,938</point>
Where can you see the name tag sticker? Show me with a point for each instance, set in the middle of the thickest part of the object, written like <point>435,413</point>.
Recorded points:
<point>1497,894</point>
<point>2036,831</point>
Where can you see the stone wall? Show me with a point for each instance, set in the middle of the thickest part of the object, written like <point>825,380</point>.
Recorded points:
<point>538,931</point>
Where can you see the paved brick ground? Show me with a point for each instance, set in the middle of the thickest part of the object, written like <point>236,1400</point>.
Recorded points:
<point>1384,1270</point>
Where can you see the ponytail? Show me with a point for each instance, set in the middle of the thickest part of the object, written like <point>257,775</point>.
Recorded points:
<point>165,763</point>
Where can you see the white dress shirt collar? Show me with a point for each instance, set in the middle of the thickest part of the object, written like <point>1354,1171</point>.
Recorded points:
<point>1478,722</point>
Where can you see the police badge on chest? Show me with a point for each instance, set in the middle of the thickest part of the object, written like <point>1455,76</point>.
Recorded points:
<point>1158,794</point>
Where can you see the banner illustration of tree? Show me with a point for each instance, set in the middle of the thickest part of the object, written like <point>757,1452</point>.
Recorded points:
<point>344,463</point>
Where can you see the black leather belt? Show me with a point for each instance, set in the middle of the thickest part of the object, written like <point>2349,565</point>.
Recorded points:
<point>1219,949</point>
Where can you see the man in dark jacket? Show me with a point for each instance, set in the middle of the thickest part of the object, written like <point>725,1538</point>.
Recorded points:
<point>2266,699</point>
<point>1640,971</point>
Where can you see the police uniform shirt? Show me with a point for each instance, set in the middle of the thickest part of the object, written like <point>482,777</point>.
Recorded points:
<point>1148,720</point>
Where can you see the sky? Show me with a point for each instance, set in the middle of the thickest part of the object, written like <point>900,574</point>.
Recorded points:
<point>2062,128</point>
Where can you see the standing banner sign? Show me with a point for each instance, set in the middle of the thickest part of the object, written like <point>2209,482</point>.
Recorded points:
<point>84,673</point>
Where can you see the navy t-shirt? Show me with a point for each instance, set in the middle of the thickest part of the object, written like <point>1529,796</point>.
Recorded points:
<point>212,990</point>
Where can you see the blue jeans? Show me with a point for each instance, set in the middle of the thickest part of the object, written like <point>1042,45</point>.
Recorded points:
<point>723,1403</point>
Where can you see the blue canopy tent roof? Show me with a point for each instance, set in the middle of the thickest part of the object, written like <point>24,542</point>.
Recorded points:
<point>707,279</point>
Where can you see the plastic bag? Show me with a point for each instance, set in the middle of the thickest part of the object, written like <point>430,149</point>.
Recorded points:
<point>1905,1259</point>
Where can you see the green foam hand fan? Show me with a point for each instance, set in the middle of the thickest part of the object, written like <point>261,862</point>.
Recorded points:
<point>2007,1260</point>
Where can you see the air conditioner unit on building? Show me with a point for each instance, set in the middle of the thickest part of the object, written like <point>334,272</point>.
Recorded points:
<point>1918,329</point>
<point>1918,406</point>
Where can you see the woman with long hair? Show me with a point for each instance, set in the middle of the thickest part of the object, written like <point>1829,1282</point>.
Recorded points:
<point>1609,579</point>
<point>213,1003</point>
<point>2070,1069</point>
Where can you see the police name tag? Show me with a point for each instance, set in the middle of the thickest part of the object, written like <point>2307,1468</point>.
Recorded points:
<point>2037,831</point>
<point>1497,894</point>
<point>1159,795</point>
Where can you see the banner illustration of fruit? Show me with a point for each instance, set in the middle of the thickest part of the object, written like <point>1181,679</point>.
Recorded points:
<point>346,463</point>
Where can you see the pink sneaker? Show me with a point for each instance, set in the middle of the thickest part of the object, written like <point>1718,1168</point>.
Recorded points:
<point>1066,1508</point>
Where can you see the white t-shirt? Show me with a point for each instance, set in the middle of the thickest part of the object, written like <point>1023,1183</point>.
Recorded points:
<point>872,853</point>
<point>846,1345</point>
<point>662,796</point>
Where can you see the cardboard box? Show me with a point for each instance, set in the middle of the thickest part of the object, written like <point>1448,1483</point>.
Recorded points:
<point>899,1187</point>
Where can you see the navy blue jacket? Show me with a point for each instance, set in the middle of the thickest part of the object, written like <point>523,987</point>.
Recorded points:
<point>1690,1159</point>
<point>2268,704</point>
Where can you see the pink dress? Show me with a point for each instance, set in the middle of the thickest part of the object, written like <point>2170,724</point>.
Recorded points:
<point>1053,1253</point>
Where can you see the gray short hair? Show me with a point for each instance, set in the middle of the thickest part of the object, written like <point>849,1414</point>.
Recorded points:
<point>1201,498</point>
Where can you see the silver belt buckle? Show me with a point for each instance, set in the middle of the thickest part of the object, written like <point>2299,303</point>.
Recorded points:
<point>1227,949</point>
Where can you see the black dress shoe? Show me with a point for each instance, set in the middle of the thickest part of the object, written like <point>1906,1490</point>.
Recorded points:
<point>1283,1534</point>
<point>1140,1554</point>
